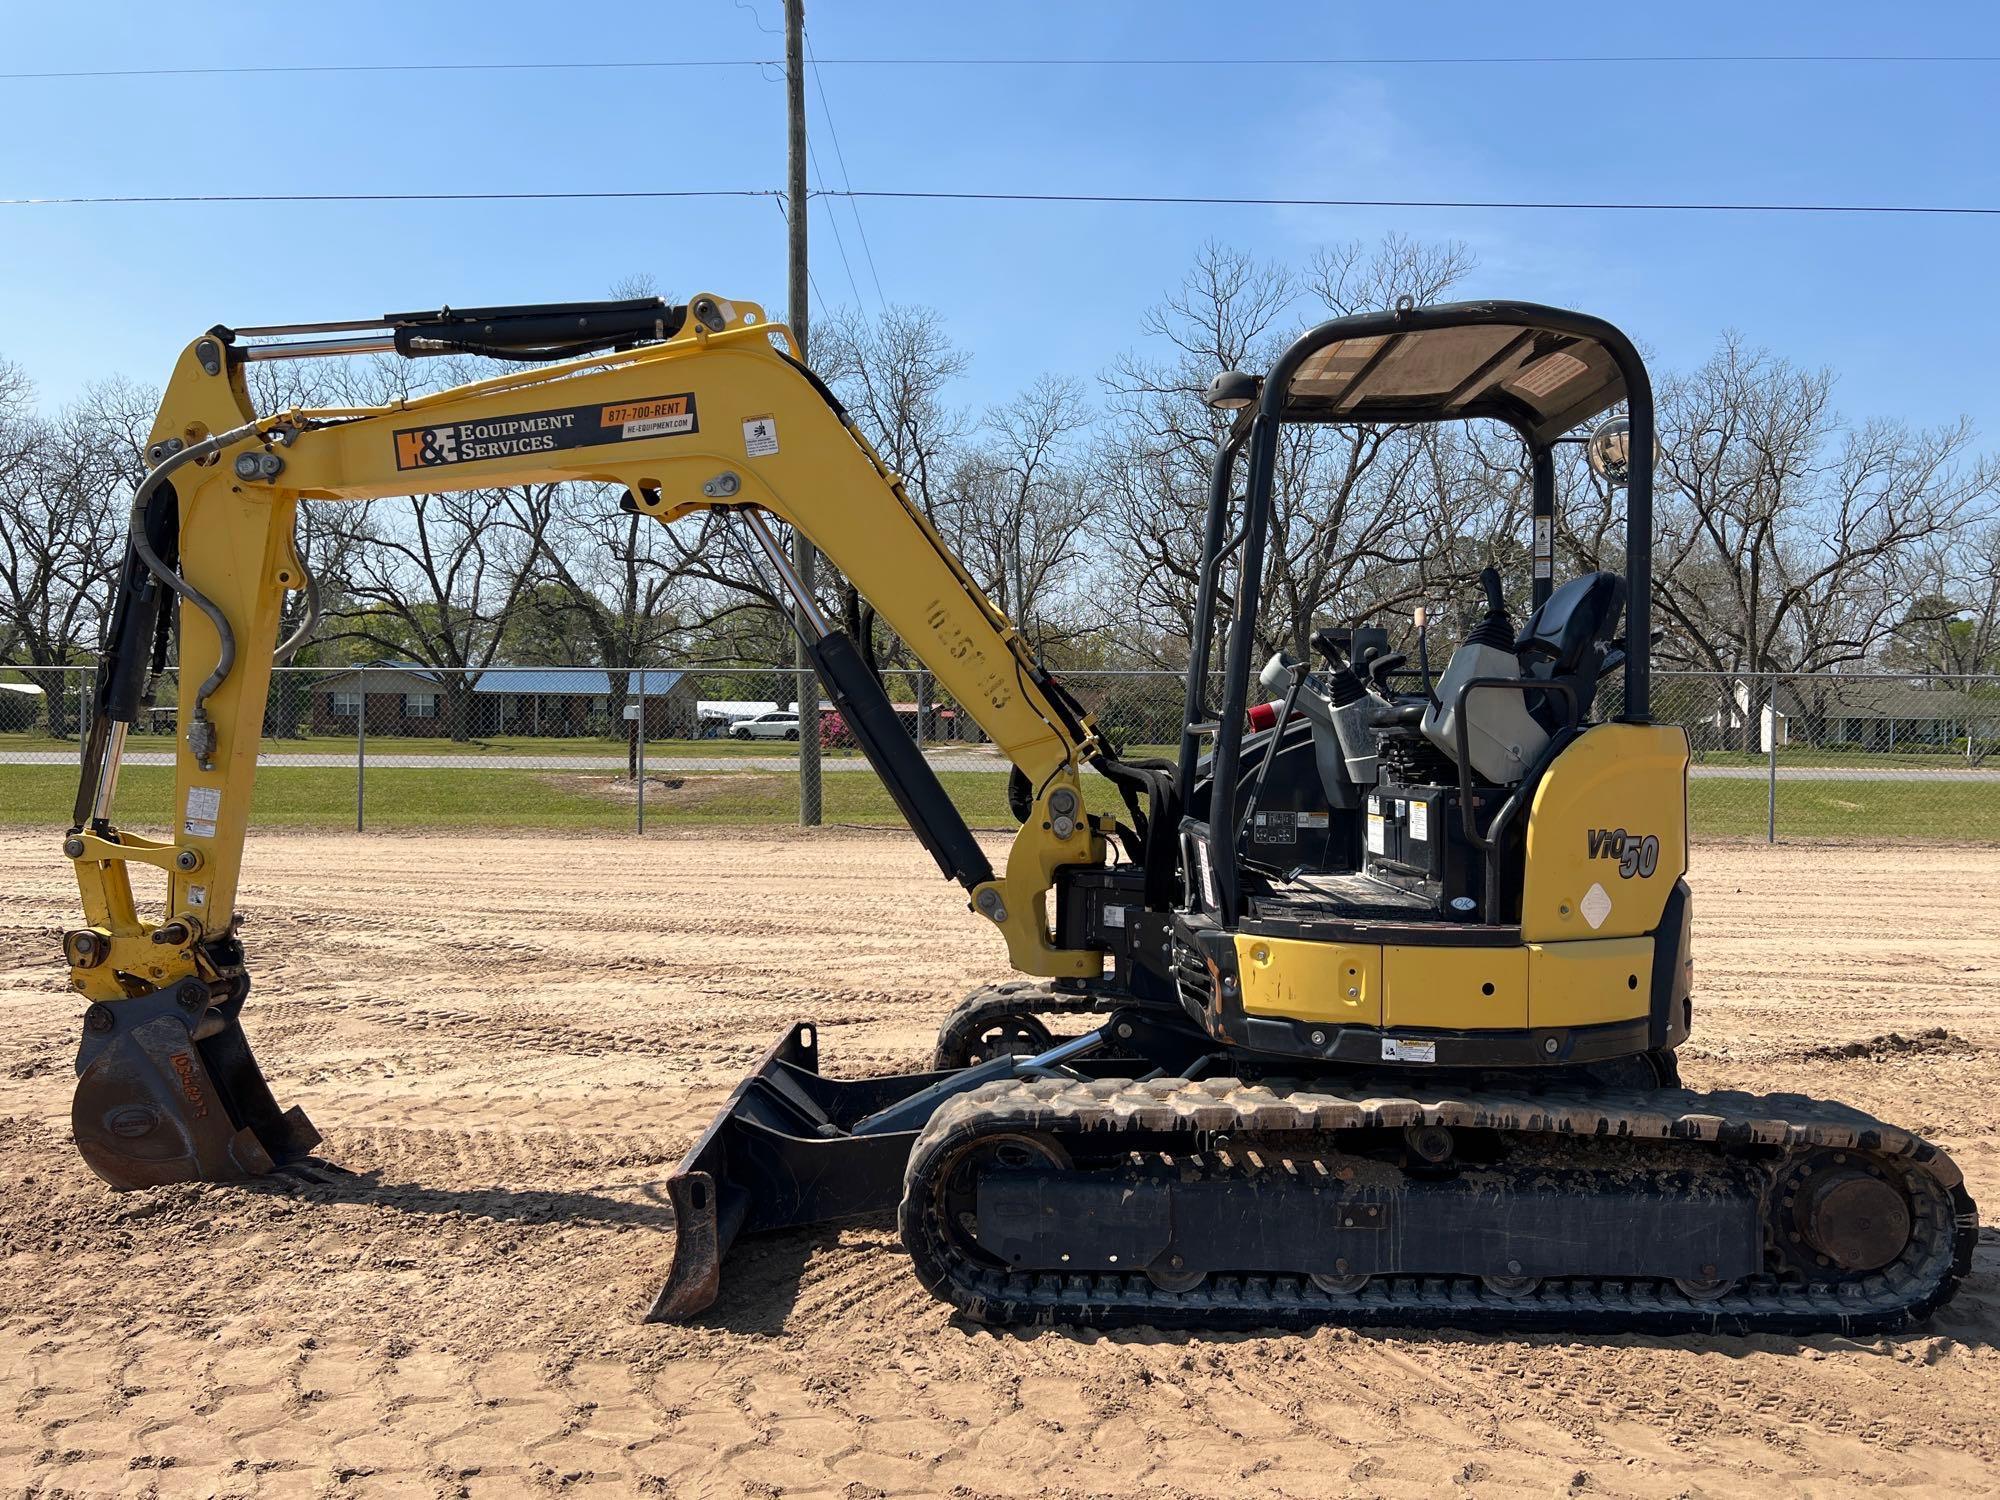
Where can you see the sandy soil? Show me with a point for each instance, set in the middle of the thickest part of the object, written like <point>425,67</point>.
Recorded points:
<point>511,1040</point>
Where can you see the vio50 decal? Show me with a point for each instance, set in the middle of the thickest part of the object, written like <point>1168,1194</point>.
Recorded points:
<point>1636,853</point>
<point>531,432</point>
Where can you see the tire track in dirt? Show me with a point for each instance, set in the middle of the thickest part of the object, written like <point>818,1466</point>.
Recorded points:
<point>510,1069</point>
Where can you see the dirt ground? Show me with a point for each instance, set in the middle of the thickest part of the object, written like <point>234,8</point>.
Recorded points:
<point>511,1040</point>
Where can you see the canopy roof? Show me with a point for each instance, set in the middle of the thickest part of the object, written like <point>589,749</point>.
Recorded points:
<point>1479,360</point>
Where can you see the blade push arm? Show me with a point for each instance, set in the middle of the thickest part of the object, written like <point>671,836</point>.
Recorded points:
<point>715,415</point>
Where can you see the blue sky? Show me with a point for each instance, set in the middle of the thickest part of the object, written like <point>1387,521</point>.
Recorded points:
<point>1902,308</point>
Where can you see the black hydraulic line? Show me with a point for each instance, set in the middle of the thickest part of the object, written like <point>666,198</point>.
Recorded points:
<point>142,499</point>
<point>121,678</point>
<point>877,728</point>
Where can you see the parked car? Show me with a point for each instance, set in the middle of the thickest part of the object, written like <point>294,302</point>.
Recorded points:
<point>778,726</point>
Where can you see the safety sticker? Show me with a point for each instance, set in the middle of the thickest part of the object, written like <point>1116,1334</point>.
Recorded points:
<point>1420,820</point>
<point>1378,834</point>
<point>1312,820</point>
<point>197,895</point>
<point>1276,828</point>
<point>1595,906</point>
<point>531,432</point>
<point>1549,373</point>
<point>1114,916</point>
<point>760,436</point>
<point>204,806</point>
<point>1400,1049</point>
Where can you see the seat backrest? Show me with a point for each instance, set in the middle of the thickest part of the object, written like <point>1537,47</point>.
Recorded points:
<point>1568,636</point>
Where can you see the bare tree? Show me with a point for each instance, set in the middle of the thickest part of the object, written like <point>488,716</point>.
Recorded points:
<point>893,374</point>
<point>65,485</point>
<point>1950,629</point>
<point>1150,464</point>
<point>1020,508</point>
<point>434,579</point>
<point>1789,540</point>
<point>1364,519</point>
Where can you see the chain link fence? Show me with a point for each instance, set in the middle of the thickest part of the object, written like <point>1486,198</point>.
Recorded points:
<point>1826,756</point>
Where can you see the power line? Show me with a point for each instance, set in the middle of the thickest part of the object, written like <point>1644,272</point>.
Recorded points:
<point>833,222</point>
<point>853,204</point>
<point>481,67</point>
<point>1528,59</point>
<point>1114,199</point>
<point>1462,203</point>
<point>495,197</point>
<point>651,64</point>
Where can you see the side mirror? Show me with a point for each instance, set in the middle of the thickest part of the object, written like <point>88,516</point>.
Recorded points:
<point>1610,452</point>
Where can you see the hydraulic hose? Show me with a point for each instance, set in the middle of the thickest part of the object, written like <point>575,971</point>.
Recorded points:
<point>200,736</point>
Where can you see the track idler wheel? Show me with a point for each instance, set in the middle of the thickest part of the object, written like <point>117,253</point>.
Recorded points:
<point>167,1091</point>
<point>977,1033</point>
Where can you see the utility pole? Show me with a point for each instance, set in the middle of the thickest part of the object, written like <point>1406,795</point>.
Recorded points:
<point>804,554</point>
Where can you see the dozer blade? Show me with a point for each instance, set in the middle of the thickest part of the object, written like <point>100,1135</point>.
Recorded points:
<point>790,1148</point>
<point>167,1091</point>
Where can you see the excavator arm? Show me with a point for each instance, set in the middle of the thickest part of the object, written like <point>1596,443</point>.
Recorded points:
<point>701,406</point>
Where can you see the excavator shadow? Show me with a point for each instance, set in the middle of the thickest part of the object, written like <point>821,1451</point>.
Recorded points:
<point>318,1180</point>
<point>767,1274</point>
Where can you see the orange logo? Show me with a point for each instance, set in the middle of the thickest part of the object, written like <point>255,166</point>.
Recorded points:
<point>409,450</point>
<point>191,1084</point>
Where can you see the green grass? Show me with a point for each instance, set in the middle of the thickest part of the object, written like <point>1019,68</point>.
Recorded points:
<point>410,798</point>
<point>1808,755</point>
<point>40,796</point>
<point>1946,812</point>
<point>390,744</point>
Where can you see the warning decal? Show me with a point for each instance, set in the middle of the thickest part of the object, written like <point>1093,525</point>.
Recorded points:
<point>760,436</point>
<point>204,806</point>
<point>531,432</point>
<point>1595,906</point>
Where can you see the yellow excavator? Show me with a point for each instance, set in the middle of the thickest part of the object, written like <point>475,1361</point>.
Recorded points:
<point>1384,973</point>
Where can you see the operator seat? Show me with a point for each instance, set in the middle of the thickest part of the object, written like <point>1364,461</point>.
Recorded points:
<point>1567,638</point>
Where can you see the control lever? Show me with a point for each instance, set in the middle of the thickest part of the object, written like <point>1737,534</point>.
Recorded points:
<point>1344,721</point>
<point>1378,668</point>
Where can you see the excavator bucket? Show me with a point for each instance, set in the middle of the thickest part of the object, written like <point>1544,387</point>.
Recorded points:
<point>167,1091</point>
<point>791,1148</point>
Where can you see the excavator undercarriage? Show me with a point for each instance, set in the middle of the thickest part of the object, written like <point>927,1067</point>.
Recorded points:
<point>1363,1008</point>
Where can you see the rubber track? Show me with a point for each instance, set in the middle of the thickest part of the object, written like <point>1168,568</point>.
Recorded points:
<point>1944,1222</point>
